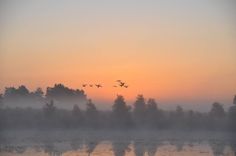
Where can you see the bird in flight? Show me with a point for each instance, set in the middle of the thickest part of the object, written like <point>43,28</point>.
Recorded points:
<point>84,85</point>
<point>122,84</point>
<point>126,86</point>
<point>98,85</point>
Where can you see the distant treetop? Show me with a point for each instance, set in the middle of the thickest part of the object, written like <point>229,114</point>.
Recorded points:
<point>234,102</point>
<point>60,91</point>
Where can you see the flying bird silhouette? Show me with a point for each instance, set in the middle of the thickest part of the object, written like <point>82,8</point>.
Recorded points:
<point>84,85</point>
<point>98,85</point>
<point>122,84</point>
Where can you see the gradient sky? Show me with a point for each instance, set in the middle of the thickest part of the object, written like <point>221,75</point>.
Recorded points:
<point>177,51</point>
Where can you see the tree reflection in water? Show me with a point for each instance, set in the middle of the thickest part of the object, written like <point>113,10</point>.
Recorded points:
<point>119,148</point>
<point>137,145</point>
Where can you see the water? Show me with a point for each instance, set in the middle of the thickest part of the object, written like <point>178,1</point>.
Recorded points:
<point>116,143</point>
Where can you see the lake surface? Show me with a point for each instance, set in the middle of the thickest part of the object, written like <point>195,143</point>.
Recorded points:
<point>116,143</point>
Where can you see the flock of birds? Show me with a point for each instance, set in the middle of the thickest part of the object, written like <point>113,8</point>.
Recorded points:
<point>119,84</point>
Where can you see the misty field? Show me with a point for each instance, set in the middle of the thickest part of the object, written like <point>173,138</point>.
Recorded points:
<point>141,129</point>
<point>116,143</point>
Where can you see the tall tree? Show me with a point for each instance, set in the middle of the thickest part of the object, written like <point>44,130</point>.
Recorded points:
<point>19,97</point>
<point>77,115</point>
<point>92,115</point>
<point>179,111</point>
<point>1,101</point>
<point>49,109</point>
<point>22,90</point>
<point>139,110</point>
<point>121,112</point>
<point>76,111</point>
<point>217,110</point>
<point>152,106</point>
<point>232,115</point>
<point>234,101</point>
<point>38,92</point>
<point>1,112</point>
<point>62,94</point>
<point>12,92</point>
<point>152,112</point>
<point>61,91</point>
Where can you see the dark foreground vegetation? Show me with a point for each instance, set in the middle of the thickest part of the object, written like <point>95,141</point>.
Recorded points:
<point>145,114</point>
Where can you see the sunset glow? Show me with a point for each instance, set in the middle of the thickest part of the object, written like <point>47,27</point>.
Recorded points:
<point>176,54</point>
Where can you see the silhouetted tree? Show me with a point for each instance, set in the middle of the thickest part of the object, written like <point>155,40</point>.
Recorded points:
<point>234,101</point>
<point>179,111</point>
<point>1,112</point>
<point>9,92</point>
<point>38,92</point>
<point>232,115</point>
<point>92,115</point>
<point>121,112</point>
<point>190,123</point>
<point>232,112</point>
<point>216,119</point>
<point>21,97</point>
<point>1,101</point>
<point>152,112</point>
<point>177,117</point>
<point>152,106</point>
<point>12,92</point>
<point>77,115</point>
<point>49,109</point>
<point>76,111</point>
<point>217,110</point>
<point>145,114</point>
<point>63,94</point>
<point>22,90</point>
<point>139,110</point>
<point>60,91</point>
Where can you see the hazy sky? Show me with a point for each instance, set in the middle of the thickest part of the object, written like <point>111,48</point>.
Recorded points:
<point>177,51</point>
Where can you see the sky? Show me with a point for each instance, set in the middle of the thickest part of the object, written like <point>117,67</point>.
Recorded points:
<point>180,52</point>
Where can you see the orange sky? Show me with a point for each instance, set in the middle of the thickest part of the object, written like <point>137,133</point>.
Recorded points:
<point>175,53</point>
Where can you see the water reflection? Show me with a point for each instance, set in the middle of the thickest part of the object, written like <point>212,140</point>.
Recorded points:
<point>76,144</point>
<point>91,145</point>
<point>217,148</point>
<point>152,148</point>
<point>122,149</point>
<point>49,149</point>
<point>119,148</point>
<point>109,145</point>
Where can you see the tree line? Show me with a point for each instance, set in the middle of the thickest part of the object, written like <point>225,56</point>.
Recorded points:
<point>22,97</point>
<point>144,113</point>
